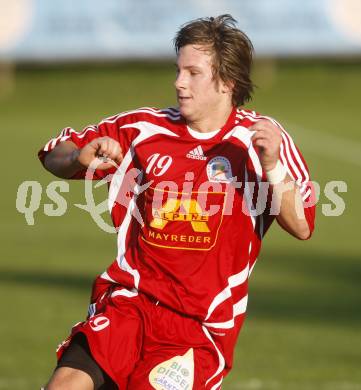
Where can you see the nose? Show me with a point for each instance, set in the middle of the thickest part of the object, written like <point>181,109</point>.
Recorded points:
<point>179,82</point>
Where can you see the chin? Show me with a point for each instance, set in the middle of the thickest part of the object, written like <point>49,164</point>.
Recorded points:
<point>186,113</point>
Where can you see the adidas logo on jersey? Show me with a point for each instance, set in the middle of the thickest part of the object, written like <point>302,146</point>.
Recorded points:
<point>196,153</point>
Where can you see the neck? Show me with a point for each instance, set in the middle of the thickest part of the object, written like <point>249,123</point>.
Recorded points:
<point>210,122</point>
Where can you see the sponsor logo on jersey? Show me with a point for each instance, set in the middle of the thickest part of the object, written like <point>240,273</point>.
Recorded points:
<point>171,211</point>
<point>187,221</point>
<point>176,373</point>
<point>219,170</point>
<point>196,154</point>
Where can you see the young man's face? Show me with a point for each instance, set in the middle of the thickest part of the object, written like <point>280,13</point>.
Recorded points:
<point>199,95</point>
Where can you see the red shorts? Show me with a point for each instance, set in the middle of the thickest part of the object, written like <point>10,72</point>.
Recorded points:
<point>143,345</point>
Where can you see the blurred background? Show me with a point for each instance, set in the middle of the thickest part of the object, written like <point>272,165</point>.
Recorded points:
<point>72,63</point>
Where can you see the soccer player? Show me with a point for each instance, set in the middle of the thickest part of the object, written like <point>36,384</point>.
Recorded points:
<point>193,191</point>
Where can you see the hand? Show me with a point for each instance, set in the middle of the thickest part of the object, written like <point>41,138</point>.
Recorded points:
<point>104,147</point>
<point>267,138</point>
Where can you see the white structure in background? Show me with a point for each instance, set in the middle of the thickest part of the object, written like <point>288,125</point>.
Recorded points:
<point>346,15</point>
<point>15,22</point>
<point>39,30</point>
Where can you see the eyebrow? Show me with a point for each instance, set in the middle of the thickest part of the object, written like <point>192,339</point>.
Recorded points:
<point>193,67</point>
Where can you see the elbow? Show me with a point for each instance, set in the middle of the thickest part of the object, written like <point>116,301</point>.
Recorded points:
<point>303,236</point>
<point>299,229</point>
<point>52,165</point>
<point>303,232</point>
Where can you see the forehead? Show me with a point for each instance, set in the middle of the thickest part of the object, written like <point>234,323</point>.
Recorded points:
<point>194,55</point>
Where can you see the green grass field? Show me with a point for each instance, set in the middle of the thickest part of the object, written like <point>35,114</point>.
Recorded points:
<point>303,327</point>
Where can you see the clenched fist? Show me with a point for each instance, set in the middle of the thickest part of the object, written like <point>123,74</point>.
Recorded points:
<point>100,148</point>
<point>268,138</point>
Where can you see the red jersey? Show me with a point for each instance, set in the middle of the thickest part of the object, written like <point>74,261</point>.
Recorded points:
<point>190,227</point>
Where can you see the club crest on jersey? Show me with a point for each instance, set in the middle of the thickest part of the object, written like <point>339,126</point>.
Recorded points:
<point>196,154</point>
<point>219,170</point>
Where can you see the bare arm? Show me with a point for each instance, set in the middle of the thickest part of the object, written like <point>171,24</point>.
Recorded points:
<point>66,159</point>
<point>63,160</point>
<point>286,199</point>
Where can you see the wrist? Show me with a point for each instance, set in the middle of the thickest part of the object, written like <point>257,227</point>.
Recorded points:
<point>277,174</point>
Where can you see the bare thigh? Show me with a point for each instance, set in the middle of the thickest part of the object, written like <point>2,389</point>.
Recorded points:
<point>66,378</point>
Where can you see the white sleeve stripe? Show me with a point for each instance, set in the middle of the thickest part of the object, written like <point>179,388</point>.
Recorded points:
<point>65,135</point>
<point>83,133</point>
<point>46,147</point>
<point>145,110</point>
<point>285,161</point>
<point>289,142</point>
<point>170,110</point>
<point>298,157</point>
<point>290,161</point>
<point>288,155</point>
<point>295,152</point>
<point>251,119</point>
<point>303,188</point>
<point>307,194</point>
<point>51,144</point>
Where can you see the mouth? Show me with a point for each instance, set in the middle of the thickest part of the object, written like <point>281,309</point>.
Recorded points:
<point>182,99</point>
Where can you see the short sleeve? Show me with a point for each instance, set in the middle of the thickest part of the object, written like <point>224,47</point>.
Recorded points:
<point>295,164</point>
<point>297,168</point>
<point>80,139</point>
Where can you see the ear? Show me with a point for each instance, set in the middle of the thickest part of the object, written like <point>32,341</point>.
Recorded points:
<point>227,87</point>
